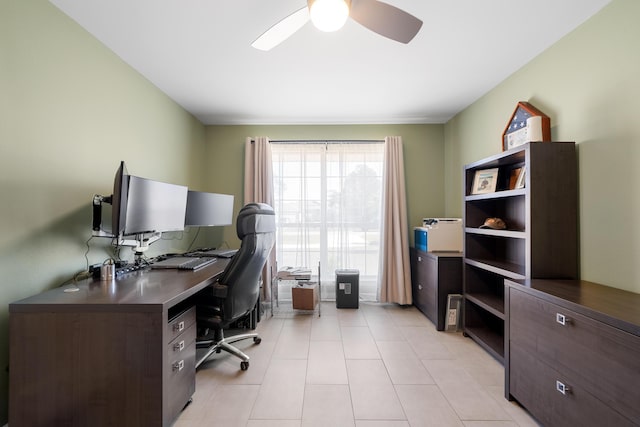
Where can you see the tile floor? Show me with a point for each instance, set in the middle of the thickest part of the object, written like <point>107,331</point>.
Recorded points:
<point>381,365</point>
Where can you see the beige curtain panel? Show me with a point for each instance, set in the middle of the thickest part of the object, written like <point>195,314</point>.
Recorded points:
<point>395,275</point>
<point>258,188</point>
<point>258,171</point>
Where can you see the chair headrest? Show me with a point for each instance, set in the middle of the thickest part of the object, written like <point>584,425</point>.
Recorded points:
<point>255,218</point>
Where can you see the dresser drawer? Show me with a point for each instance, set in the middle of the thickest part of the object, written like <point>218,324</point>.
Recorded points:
<point>180,323</point>
<point>181,367</point>
<point>554,398</point>
<point>426,285</point>
<point>600,359</point>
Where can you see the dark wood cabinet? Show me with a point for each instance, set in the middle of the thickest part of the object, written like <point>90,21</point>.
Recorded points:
<point>540,239</point>
<point>435,275</point>
<point>573,351</point>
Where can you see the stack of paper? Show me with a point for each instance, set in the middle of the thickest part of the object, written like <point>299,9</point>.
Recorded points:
<point>294,273</point>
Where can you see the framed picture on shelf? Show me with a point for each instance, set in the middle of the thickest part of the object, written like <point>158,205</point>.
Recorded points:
<point>521,177</point>
<point>485,181</point>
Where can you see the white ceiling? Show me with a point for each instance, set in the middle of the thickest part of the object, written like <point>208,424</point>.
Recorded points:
<point>198,52</point>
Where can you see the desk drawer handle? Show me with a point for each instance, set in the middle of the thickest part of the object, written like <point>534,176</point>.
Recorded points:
<point>562,388</point>
<point>419,259</point>
<point>178,346</point>
<point>562,319</point>
<point>420,287</point>
<point>179,327</point>
<point>178,366</point>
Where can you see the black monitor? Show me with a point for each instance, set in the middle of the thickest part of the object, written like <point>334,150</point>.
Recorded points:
<point>208,209</point>
<point>119,200</point>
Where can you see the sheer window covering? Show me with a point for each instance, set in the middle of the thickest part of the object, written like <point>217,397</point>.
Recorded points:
<point>328,200</point>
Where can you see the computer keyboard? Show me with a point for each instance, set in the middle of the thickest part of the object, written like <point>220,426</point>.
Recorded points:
<point>196,263</point>
<point>219,253</point>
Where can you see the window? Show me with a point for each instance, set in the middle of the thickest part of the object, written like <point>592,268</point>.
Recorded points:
<point>327,200</point>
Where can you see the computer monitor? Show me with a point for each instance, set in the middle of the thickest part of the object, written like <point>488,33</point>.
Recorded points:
<point>208,209</point>
<point>140,205</point>
<point>154,206</point>
<point>119,200</point>
<point>141,210</point>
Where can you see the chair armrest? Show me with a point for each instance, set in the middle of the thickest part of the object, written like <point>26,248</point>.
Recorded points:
<point>219,290</point>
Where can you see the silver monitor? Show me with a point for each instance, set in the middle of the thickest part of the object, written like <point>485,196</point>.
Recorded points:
<point>154,206</point>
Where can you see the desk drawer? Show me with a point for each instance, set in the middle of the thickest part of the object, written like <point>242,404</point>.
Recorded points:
<point>539,387</point>
<point>181,368</point>
<point>599,358</point>
<point>180,323</point>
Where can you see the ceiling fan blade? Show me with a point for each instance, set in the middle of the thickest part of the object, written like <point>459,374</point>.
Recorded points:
<point>282,30</point>
<point>386,20</point>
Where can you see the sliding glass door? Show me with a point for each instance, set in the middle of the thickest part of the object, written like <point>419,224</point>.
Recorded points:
<point>328,209</point>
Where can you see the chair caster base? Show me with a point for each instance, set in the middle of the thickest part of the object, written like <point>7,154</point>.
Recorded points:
<point>244,366</point>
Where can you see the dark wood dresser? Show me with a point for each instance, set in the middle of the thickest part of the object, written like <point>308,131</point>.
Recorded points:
<point>573,353</point>
<point>435,275</point>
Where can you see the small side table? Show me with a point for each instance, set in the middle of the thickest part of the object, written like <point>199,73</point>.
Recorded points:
<point>276,279</point>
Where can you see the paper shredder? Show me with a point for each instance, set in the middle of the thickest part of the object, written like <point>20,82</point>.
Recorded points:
<point>347,288</point>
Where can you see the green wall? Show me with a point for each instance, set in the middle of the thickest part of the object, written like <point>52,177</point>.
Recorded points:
<point>70,110</point>
<point>423,157</point>
<point>588,83</point>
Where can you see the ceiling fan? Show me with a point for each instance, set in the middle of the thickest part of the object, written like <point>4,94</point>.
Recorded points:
<point>330,15</point>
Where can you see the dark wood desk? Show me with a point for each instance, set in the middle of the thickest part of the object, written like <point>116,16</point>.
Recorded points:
<point>116,353</point>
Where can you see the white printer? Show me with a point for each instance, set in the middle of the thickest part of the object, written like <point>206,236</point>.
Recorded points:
<point>439,234</point>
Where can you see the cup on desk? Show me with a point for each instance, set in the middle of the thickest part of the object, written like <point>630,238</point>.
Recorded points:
<point>108,270</point>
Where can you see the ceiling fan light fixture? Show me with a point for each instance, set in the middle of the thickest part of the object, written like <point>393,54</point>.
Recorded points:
<point>328,15</point>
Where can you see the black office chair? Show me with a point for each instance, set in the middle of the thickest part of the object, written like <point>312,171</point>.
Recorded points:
<point>235,295</point>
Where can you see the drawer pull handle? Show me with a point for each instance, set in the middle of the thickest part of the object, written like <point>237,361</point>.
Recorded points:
<point>562,319</point>
<point>178,327</point>
<point>419,259</point>
<point>178,346</point>
<point>562,388</point>
<point>420,287</point>
<point>178,365</point>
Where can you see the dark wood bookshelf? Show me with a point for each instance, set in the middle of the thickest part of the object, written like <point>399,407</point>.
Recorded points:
<point>540,239</point>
